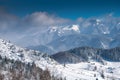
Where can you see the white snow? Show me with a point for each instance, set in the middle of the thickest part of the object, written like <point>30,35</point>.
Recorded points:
<point>86,71</point>
<point>14,52</point>
<point>98,21</point>
<point>105,46</point>
<point>53,29</point>
<point>79,71</point>
<point>75,27</point>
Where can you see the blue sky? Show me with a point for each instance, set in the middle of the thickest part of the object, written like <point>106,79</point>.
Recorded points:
<point>71,9</point>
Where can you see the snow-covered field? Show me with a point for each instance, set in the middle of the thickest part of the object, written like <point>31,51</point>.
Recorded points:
<point>90,71</point>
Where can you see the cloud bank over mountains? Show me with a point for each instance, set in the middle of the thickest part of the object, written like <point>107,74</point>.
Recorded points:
<point>39,19</point>
<point>41,27</point>
<point>11,25</point>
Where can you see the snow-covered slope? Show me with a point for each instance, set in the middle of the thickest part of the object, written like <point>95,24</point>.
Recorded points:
<point>83,70</point>
<point>25,55</point>
<point>90,63</point>
<point>91,71</point>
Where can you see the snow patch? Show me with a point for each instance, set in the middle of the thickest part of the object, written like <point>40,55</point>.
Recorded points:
<point>104,45</point>
<point>74,28</point>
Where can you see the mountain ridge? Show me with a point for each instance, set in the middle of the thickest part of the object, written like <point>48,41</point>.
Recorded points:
<point>99,32</point>
<point>87,54</point>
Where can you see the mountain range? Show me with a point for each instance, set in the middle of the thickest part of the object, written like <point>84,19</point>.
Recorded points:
<point>97,32</point>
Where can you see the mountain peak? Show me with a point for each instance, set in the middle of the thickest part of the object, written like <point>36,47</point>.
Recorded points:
<point>75,28</point>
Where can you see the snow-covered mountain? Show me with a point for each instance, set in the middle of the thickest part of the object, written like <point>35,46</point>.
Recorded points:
<point>14,52</point>
<point>98,32</point>
<point>88,70</point>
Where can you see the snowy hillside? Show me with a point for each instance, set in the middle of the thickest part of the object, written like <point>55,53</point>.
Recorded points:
<point>90,63</point>
<point>89,70</point>
<point>92,71</point>
<point>24,55</point>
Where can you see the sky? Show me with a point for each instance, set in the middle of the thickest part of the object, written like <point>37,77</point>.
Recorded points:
<point>20,18</point>
<point>64,8</point>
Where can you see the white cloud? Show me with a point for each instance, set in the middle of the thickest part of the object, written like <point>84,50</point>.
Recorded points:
<point>37,19</point>
<point>44,19</point>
